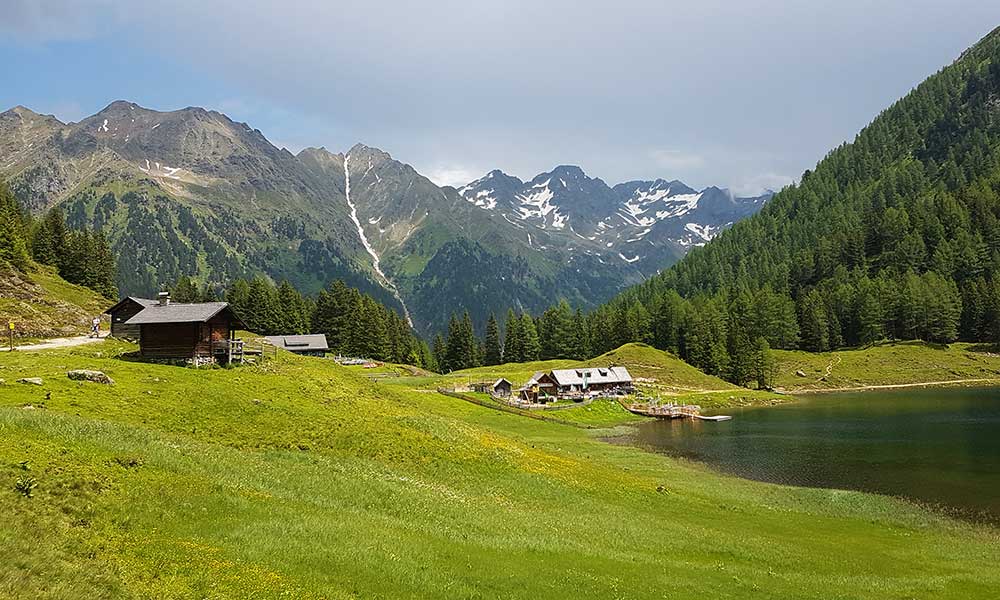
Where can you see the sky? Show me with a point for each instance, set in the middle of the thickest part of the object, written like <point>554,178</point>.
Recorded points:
<point>735,94</point>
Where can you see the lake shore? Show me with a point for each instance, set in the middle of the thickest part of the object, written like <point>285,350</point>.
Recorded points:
<point>982,382</point>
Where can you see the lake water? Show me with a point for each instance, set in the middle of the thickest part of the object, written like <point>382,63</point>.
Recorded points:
<point>937,446</point>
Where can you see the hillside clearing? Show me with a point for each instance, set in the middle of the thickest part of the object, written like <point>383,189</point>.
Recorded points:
<point>889,365</point>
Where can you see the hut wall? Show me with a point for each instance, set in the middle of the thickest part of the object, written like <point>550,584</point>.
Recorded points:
<point>169,340</point>
<point>118,327</point>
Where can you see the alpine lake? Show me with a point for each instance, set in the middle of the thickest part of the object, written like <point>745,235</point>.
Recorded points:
<point>939,447</point>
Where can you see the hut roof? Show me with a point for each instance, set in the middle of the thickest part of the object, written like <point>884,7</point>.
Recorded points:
<point>182,313</point>
<point>299,343</point>
<point>592,375</point>
<point>144,302</point>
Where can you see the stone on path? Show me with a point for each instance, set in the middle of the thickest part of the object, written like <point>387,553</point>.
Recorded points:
<point>86,375</point>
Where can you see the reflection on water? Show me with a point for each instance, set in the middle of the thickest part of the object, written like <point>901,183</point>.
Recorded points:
<point>938,446</point>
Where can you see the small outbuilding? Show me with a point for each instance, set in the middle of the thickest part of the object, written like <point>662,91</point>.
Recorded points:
<point>199,332</point>
<point>502,388</point>
<point>306,345</point>
<point>122,312</point>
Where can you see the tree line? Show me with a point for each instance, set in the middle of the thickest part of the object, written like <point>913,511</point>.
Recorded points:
<point>81,256</point>
<point>355,324</point>
<point>559,332</point>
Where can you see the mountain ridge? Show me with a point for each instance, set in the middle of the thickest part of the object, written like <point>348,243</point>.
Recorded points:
<point>194,192</point>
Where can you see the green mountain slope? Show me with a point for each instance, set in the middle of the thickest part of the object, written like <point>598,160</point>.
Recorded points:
<point>299,478</point>
<point>191,192</point>
<point>42,304</point>
<point>896,234</point>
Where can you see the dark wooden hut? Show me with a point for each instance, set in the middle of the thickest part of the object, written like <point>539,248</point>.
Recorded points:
<point>197,332</point>
<point>122,312</point>
<point>502,387</point>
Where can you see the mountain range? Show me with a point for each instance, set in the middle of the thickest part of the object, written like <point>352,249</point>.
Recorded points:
<point>192,192</point>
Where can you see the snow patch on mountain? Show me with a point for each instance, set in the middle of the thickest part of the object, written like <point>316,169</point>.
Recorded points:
<point>376,261</point>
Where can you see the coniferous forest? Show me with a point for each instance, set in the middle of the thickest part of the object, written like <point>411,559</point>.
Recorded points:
<point>355,323</point>
<point>81,256</point>
<point>894,236</point>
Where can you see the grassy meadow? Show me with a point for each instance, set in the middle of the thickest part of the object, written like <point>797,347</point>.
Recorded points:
<point>899,363</point>
<point>298,478</point>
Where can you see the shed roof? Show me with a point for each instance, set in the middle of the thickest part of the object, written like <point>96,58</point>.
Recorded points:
<point>592,375</point>
<point>299,343</point>
<point>501,380</point>
<point>182,313</point>
<point>144,302</point>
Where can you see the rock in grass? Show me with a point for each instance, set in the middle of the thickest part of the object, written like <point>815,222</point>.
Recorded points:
<point>800,373</point>
<point>30,380</point>
<point>94,376</point>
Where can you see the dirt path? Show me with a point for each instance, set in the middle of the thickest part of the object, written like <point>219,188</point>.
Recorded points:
<point>892,386</point>
<point>56,343</point>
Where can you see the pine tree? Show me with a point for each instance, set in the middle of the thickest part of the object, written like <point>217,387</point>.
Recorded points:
<point>13,242</point>
<point>513,347</point>
<point>208,293</point>
<point>262,307</point>
<point>813,323</point>
<point>440,351</point>
<point>870,316</point>
<point>492,352</point>
<point>740,347</point>
<point>184,291</point>
<point>291,310</point>
<point>765,367</point>
<point>238,297</point>
<point>532,346</point>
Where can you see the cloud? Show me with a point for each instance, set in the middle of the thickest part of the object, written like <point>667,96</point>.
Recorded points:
<point>632,89</point>
<point>37,21</point>
<point>454,176</point>
<point>758,184</point>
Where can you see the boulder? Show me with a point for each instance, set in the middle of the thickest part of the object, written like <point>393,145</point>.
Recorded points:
<point>801,373</point>
<point>93,376</point>
<point>30,380</point>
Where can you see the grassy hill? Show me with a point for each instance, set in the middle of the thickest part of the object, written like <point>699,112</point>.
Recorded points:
<point>299,478</point>
<point>657,373</point>
<point>902,363</point>
<point>42,304</point>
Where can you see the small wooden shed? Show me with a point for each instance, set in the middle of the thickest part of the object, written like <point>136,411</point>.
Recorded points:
<point>502,387</point>
<point>122,312</point>
<point>198,332</point>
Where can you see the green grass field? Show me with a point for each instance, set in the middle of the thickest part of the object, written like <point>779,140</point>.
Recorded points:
<point>899,363</point>
<point>301,479</point>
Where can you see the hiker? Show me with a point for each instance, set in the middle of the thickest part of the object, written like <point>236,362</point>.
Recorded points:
<point>95,327</point>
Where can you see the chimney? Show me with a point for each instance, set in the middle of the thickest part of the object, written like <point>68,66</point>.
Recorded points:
<point>164,298</point>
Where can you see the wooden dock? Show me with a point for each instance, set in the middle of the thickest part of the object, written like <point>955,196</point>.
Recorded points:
<point>670,411</point>
<point>663,411</point>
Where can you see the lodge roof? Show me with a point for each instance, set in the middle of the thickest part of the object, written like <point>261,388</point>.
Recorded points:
<point>591,375</point>
<point>182,313</point>
<point>299,343</point>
